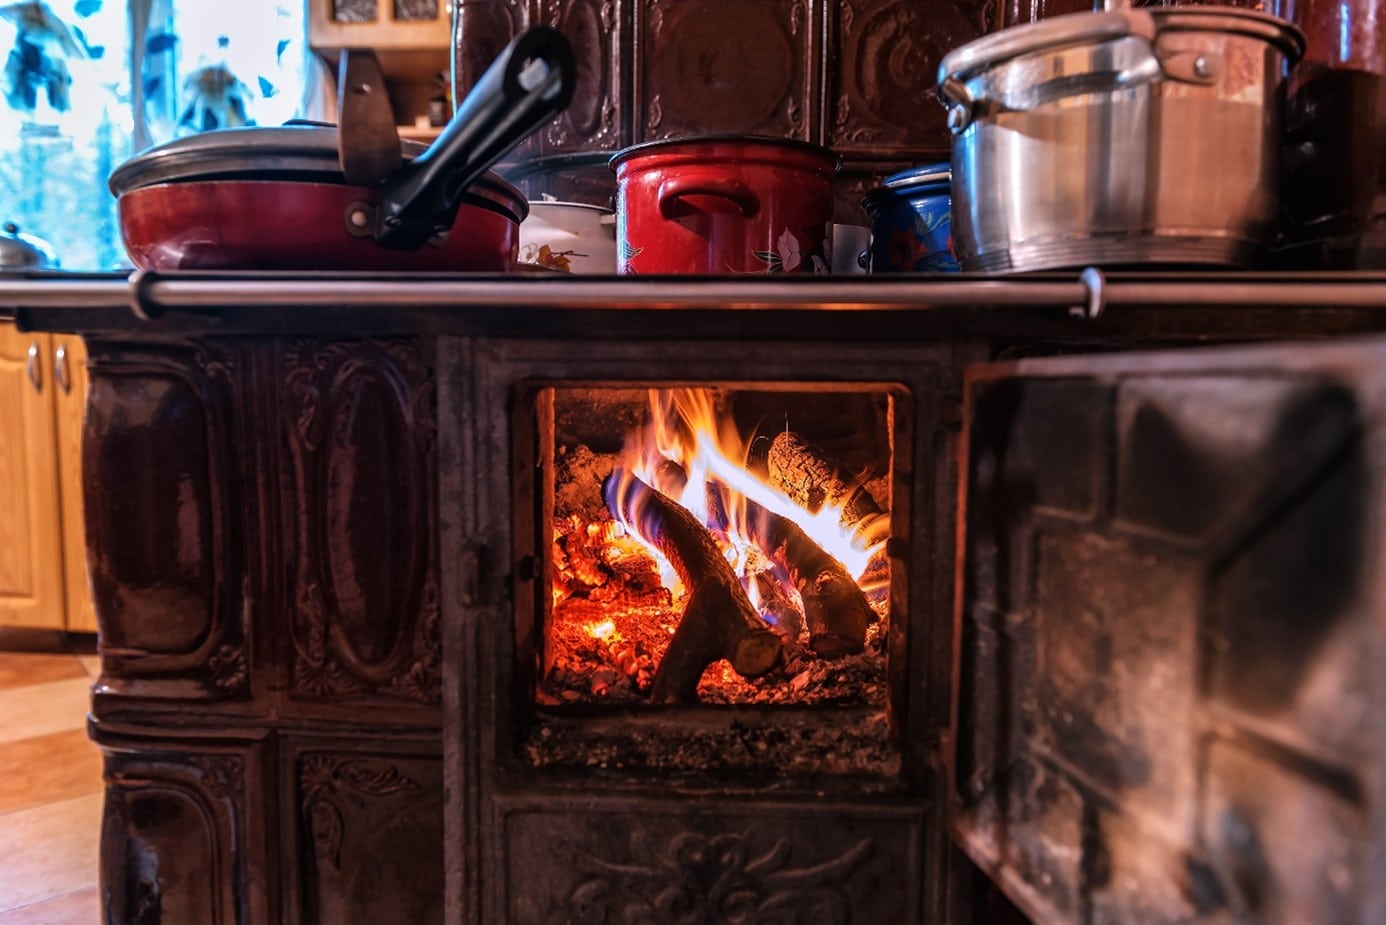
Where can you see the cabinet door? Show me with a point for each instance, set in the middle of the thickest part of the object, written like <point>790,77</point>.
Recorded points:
<point>1171,635</point>
<point>70,393</point>
<point>31,573</point>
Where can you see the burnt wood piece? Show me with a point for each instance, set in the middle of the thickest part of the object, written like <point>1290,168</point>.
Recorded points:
<point>835,608</point>
<point>786,617</point>
<point>718,621</point>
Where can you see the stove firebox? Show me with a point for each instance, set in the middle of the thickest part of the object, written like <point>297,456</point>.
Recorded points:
<point>726,574</point>
<point>717,545</point>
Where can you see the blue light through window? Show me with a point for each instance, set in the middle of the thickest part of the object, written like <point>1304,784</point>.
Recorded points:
<point>88,83</point>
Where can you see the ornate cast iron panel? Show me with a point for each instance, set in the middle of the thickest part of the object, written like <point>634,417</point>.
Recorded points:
<point>369,835</point>
<point>360,517</point>
<point>695,75</point>
<point>181,836</point>
<point>881,68</point>
<point>591,121</point>
<point>702,862</point>
<point>481,29</point>
<point>1167,631</point>
<point>163,453</point>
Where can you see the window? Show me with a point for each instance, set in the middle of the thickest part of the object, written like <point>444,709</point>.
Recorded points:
<point>77,101</point>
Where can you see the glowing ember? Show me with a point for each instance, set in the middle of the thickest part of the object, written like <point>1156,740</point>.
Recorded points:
<point>605,631</point>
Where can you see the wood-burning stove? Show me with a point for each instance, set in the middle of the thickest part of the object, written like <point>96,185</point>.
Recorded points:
<point>1128,637</point>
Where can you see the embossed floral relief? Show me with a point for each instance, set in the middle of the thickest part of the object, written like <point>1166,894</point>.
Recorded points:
<point>372,837</point>
<point>324,778</point>
<point>721,878</point>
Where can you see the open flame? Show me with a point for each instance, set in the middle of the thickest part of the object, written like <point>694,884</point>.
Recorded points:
<point>696,458</point>
<point>710,560</point>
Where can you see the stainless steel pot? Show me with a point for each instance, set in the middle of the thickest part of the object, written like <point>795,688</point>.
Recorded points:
<point>1119,137</point>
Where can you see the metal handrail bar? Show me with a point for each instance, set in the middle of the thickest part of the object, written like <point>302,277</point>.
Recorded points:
<point>151,294</point>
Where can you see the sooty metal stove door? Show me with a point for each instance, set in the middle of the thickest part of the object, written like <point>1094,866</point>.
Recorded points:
<point>1171,627</point>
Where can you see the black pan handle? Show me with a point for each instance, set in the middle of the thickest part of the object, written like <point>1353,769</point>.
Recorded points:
<point>530,83</point>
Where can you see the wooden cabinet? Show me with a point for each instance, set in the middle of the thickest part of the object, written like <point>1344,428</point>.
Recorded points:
<point>70,397</point>
<point>43,576</point>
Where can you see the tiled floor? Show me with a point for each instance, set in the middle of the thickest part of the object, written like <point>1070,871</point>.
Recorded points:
<point>50,781</point>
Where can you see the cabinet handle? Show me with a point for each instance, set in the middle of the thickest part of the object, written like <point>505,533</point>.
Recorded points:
<point>60,369</point>
<point>35,376</point>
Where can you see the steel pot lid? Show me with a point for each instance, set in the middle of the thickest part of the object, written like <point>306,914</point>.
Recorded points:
<point>1049,34</point>
<point>24,251</point>
<point>295,151</point>
<point>1111,25</point>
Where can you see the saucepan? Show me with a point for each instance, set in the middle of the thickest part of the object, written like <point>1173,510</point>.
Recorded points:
<point>1126,136</point>
<point>570,236</point>
<point>911,222</point>
<point>299,197</point>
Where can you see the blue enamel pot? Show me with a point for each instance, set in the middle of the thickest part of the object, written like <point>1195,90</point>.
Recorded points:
<point>911,222</point>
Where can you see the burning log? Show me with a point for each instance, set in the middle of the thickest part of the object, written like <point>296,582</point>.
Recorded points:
<point>785,616</point>
<point>835,608</point>
<point>802,471</point>
<point>805,473</point>
<point>718,621</point>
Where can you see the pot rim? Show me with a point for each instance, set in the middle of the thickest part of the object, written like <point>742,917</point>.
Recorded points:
<point>294,152</point>
<point>585,206</point>
<point>933,179</point>
<point>923,175</point>
<point>834,161</point>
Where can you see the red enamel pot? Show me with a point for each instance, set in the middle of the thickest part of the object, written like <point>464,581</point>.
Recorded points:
<point>724,204</point>
<point>281,198</point>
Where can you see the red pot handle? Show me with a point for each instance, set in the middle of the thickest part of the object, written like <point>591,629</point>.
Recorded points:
<point>673,189</point>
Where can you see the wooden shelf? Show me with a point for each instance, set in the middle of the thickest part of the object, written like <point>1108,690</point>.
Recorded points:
<point>425,134</point>
<point>384,34</point>
<point>412,54</point>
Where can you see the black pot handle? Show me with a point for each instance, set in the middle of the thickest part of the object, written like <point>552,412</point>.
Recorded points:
<point>528,84</point>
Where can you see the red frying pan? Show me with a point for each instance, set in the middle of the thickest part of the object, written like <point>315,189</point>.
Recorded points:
<point>278,199</point>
